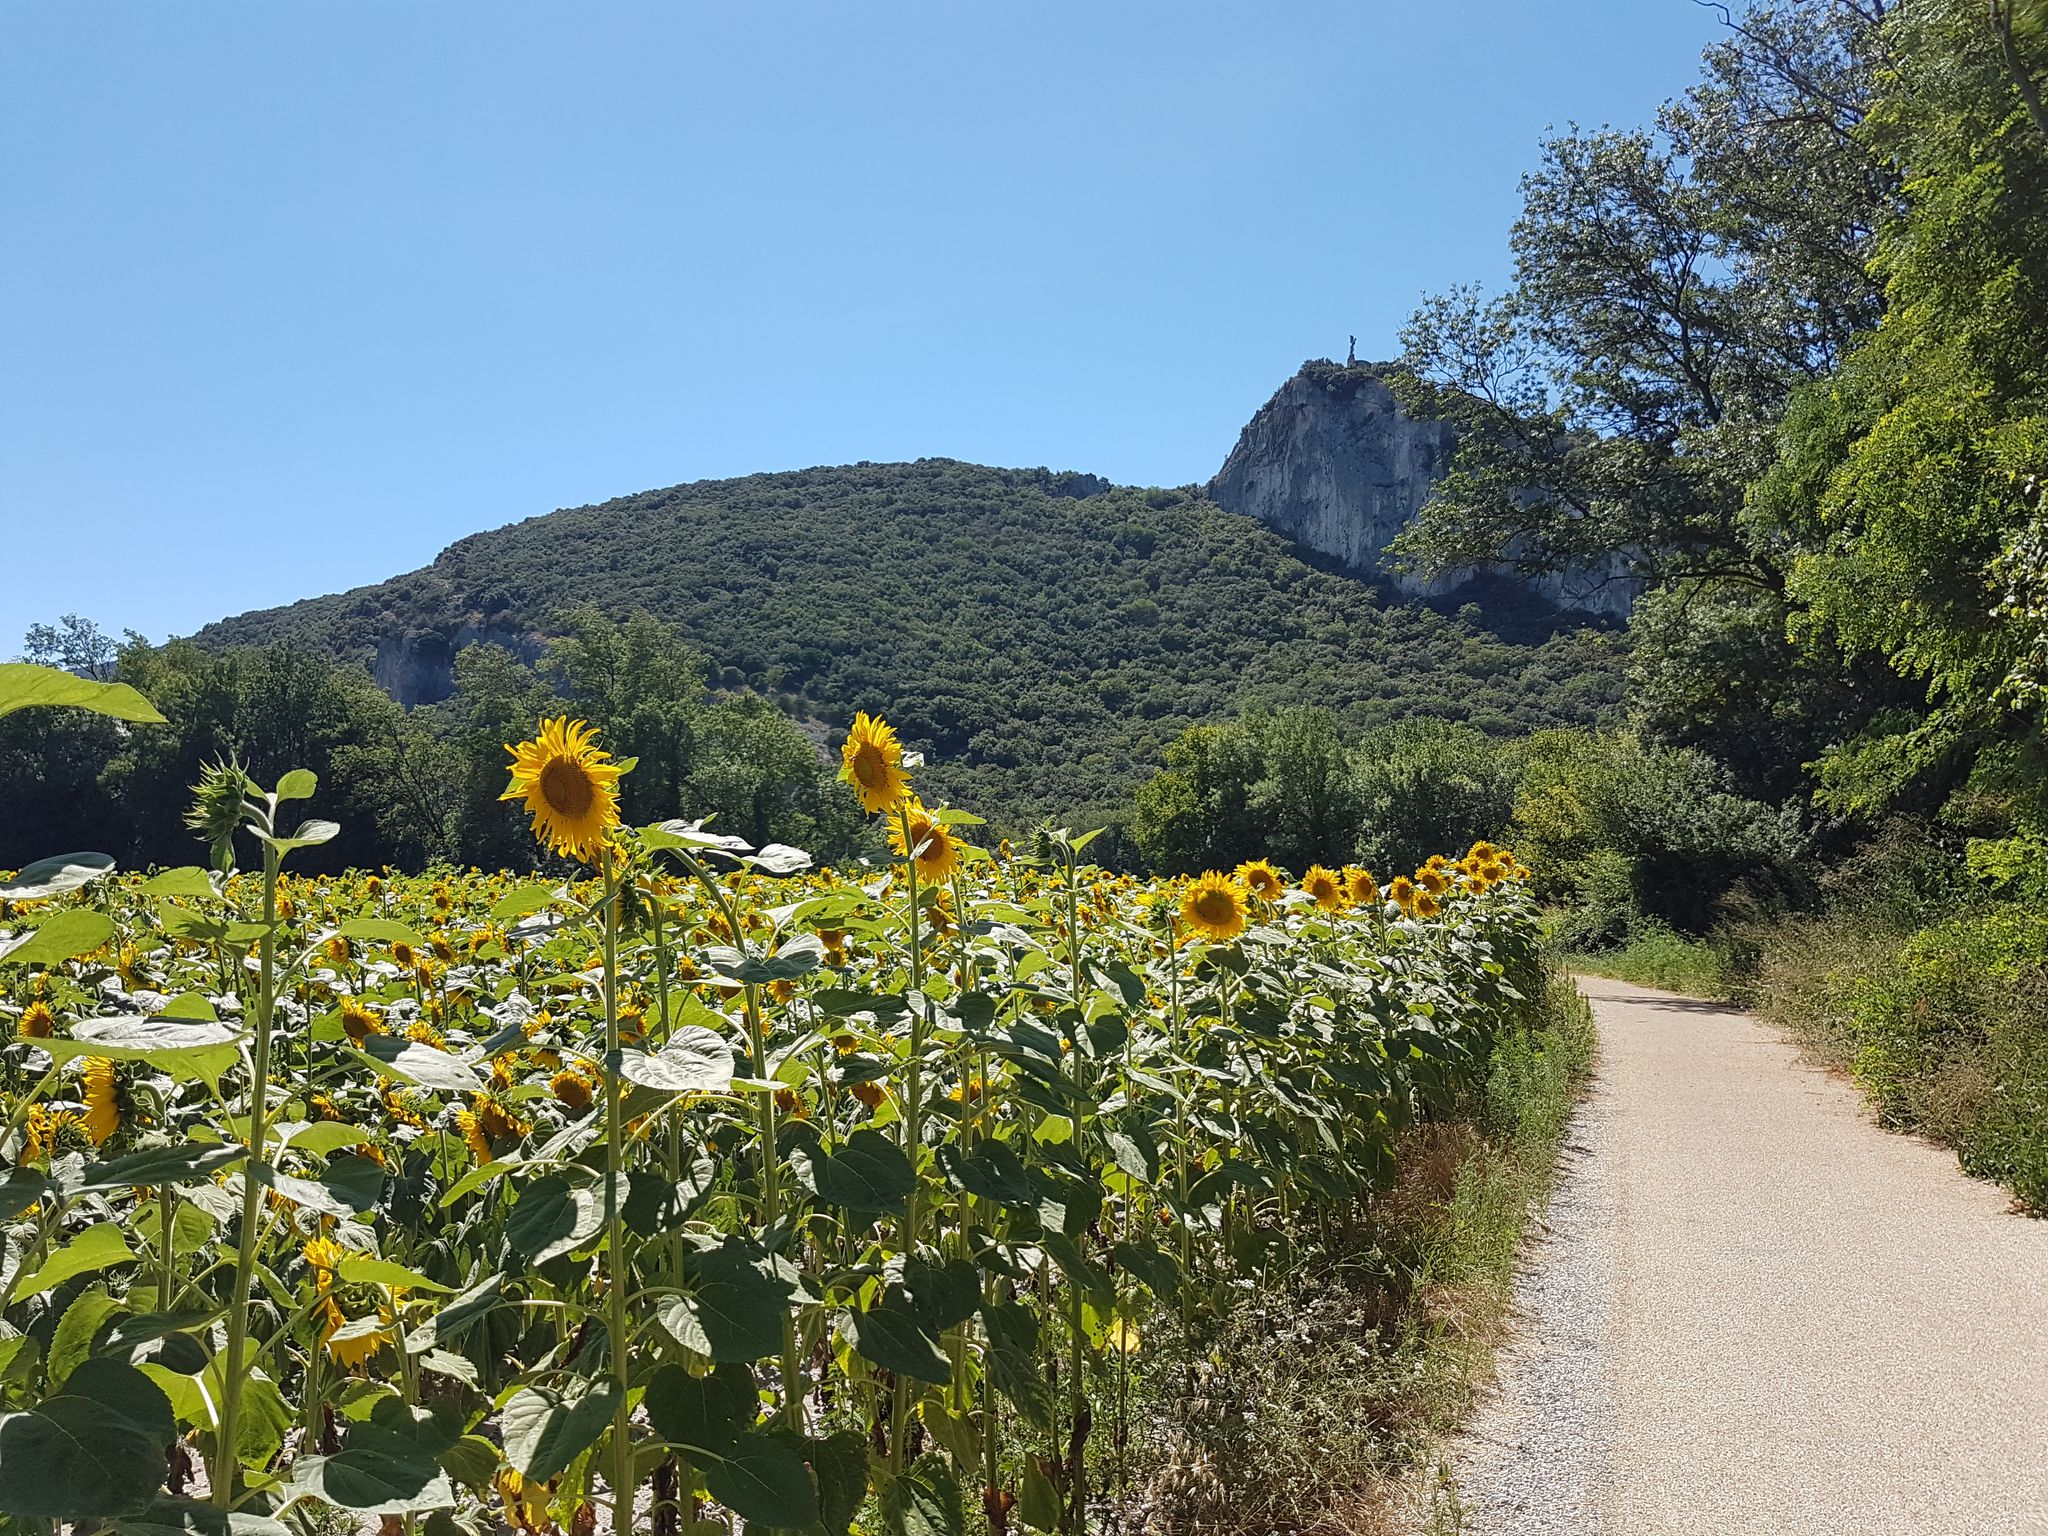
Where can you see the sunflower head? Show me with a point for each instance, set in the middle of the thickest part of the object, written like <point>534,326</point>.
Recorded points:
<point>102,1103</point>
<point>872,762</point>
<point>1430,877</point>
<point>918,835</point>
<point>1260,878</point>
<point>37,1022</point>
<point>1360,887</point>
<point>1401,891</point>
<point>1213,906</point>
<point>1426,905</point>
<point>1325,885</point>
<point>570,786</point>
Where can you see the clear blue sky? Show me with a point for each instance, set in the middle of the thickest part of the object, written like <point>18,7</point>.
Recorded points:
<point>296,293</point>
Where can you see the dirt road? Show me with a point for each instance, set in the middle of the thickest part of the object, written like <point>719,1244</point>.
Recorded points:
<point>1753,1311</point>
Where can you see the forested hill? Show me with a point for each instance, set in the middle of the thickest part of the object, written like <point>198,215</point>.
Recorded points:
<point>1042,635</point>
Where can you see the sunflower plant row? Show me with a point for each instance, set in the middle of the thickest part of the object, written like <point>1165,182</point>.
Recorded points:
<point>698,1190</point>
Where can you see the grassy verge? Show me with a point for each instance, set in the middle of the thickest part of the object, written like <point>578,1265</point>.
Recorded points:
<point>1945,1028</point>
<point>1657,957</point>
<point>1323,1406</point>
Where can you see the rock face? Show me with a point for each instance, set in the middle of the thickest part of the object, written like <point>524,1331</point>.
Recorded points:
<point>1334,463</point>
<point>419,668</point>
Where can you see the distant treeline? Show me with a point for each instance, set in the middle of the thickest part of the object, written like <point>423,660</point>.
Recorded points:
<point>409,787</point>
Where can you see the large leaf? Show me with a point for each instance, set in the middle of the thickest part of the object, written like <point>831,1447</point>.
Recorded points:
<point>415,1062</point>
<point>895,1339</point>
<point>24,685</point>
<point>545,1430</point>
<point>373,1482</point>
<point>97,1247</point>
<point>734,1309</point>
<point>869,1174</point>
<point>703,1415</point>
<point>189,1051</point>
<point>924,1501</point>
<point>188,1517</point>
<point>553,1217</point>
<point>840,1462</point>
<point>765,1481</point>
<point>55,876</point>
<point>94,1451</point>
<point>62,936</point>
<point>692,1061</point>
<point>186,1162</point>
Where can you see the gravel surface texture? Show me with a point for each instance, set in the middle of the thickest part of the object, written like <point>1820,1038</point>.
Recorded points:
<point>1753,1311</point>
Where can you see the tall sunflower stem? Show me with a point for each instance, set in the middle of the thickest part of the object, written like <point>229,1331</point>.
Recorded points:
<point>618,1271</point>
<point>913,1114</point>
<point>225,1475</point>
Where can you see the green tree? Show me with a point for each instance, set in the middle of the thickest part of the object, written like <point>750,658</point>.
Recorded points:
<point>1428,786</point>
<point>1910,485</point>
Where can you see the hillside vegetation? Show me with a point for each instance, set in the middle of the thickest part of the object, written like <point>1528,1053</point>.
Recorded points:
<point>1042,643</point>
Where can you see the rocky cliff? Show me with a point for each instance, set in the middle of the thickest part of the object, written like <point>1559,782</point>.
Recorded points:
<point>1333,462</point>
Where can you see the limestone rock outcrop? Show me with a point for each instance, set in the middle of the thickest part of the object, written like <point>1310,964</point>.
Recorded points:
<point>1333,462</point>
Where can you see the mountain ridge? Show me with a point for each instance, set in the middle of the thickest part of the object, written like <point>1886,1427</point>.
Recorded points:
<point>1042,634</point>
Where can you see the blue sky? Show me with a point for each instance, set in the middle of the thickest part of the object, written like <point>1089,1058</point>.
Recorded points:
<point>295,294</point>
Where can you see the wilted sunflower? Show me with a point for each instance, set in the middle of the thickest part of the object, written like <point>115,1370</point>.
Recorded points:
<point>570,786</point>
<point>872,762</point>
<point>938,851</point>
<point>1214,907</point>
<point>1325,885</point>
<point>1260,878</point>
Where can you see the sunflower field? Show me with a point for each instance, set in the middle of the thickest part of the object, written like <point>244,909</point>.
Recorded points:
<point>697,1190</point>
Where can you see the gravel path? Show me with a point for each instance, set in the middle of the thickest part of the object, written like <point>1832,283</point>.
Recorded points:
<point>1752,1311</point>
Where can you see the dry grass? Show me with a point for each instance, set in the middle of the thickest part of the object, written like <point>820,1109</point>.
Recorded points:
<point>1320,1407</point>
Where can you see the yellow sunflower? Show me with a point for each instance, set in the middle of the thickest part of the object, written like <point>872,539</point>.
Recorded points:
<point>1401,891</point>
<point>1260,878</point>
<point>1360,887</point>
<point>1426,905</point>
<point>1430,878</point>
<point>102,1112</point>
<point>1214,907</point>
<point>359,1022</point>
<point>1325,885</point>
<point>37,1022</point>
<point>570,786</point>
<point>872,762</point>
<point>938,851</point>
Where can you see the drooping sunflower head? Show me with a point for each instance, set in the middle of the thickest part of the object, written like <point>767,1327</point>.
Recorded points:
<point>570,786</point>
<point>1325,885</point>
<point>1213,906</point>
<point>1360,889</point>
<point>358,1021</point>
<point>1260,878</point>
<point>936,850</point>
<point>102,1105</point>
<point>872,762</point>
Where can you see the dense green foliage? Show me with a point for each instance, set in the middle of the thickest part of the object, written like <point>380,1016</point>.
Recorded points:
<point>1041,636</point>
<point>417,785</point>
